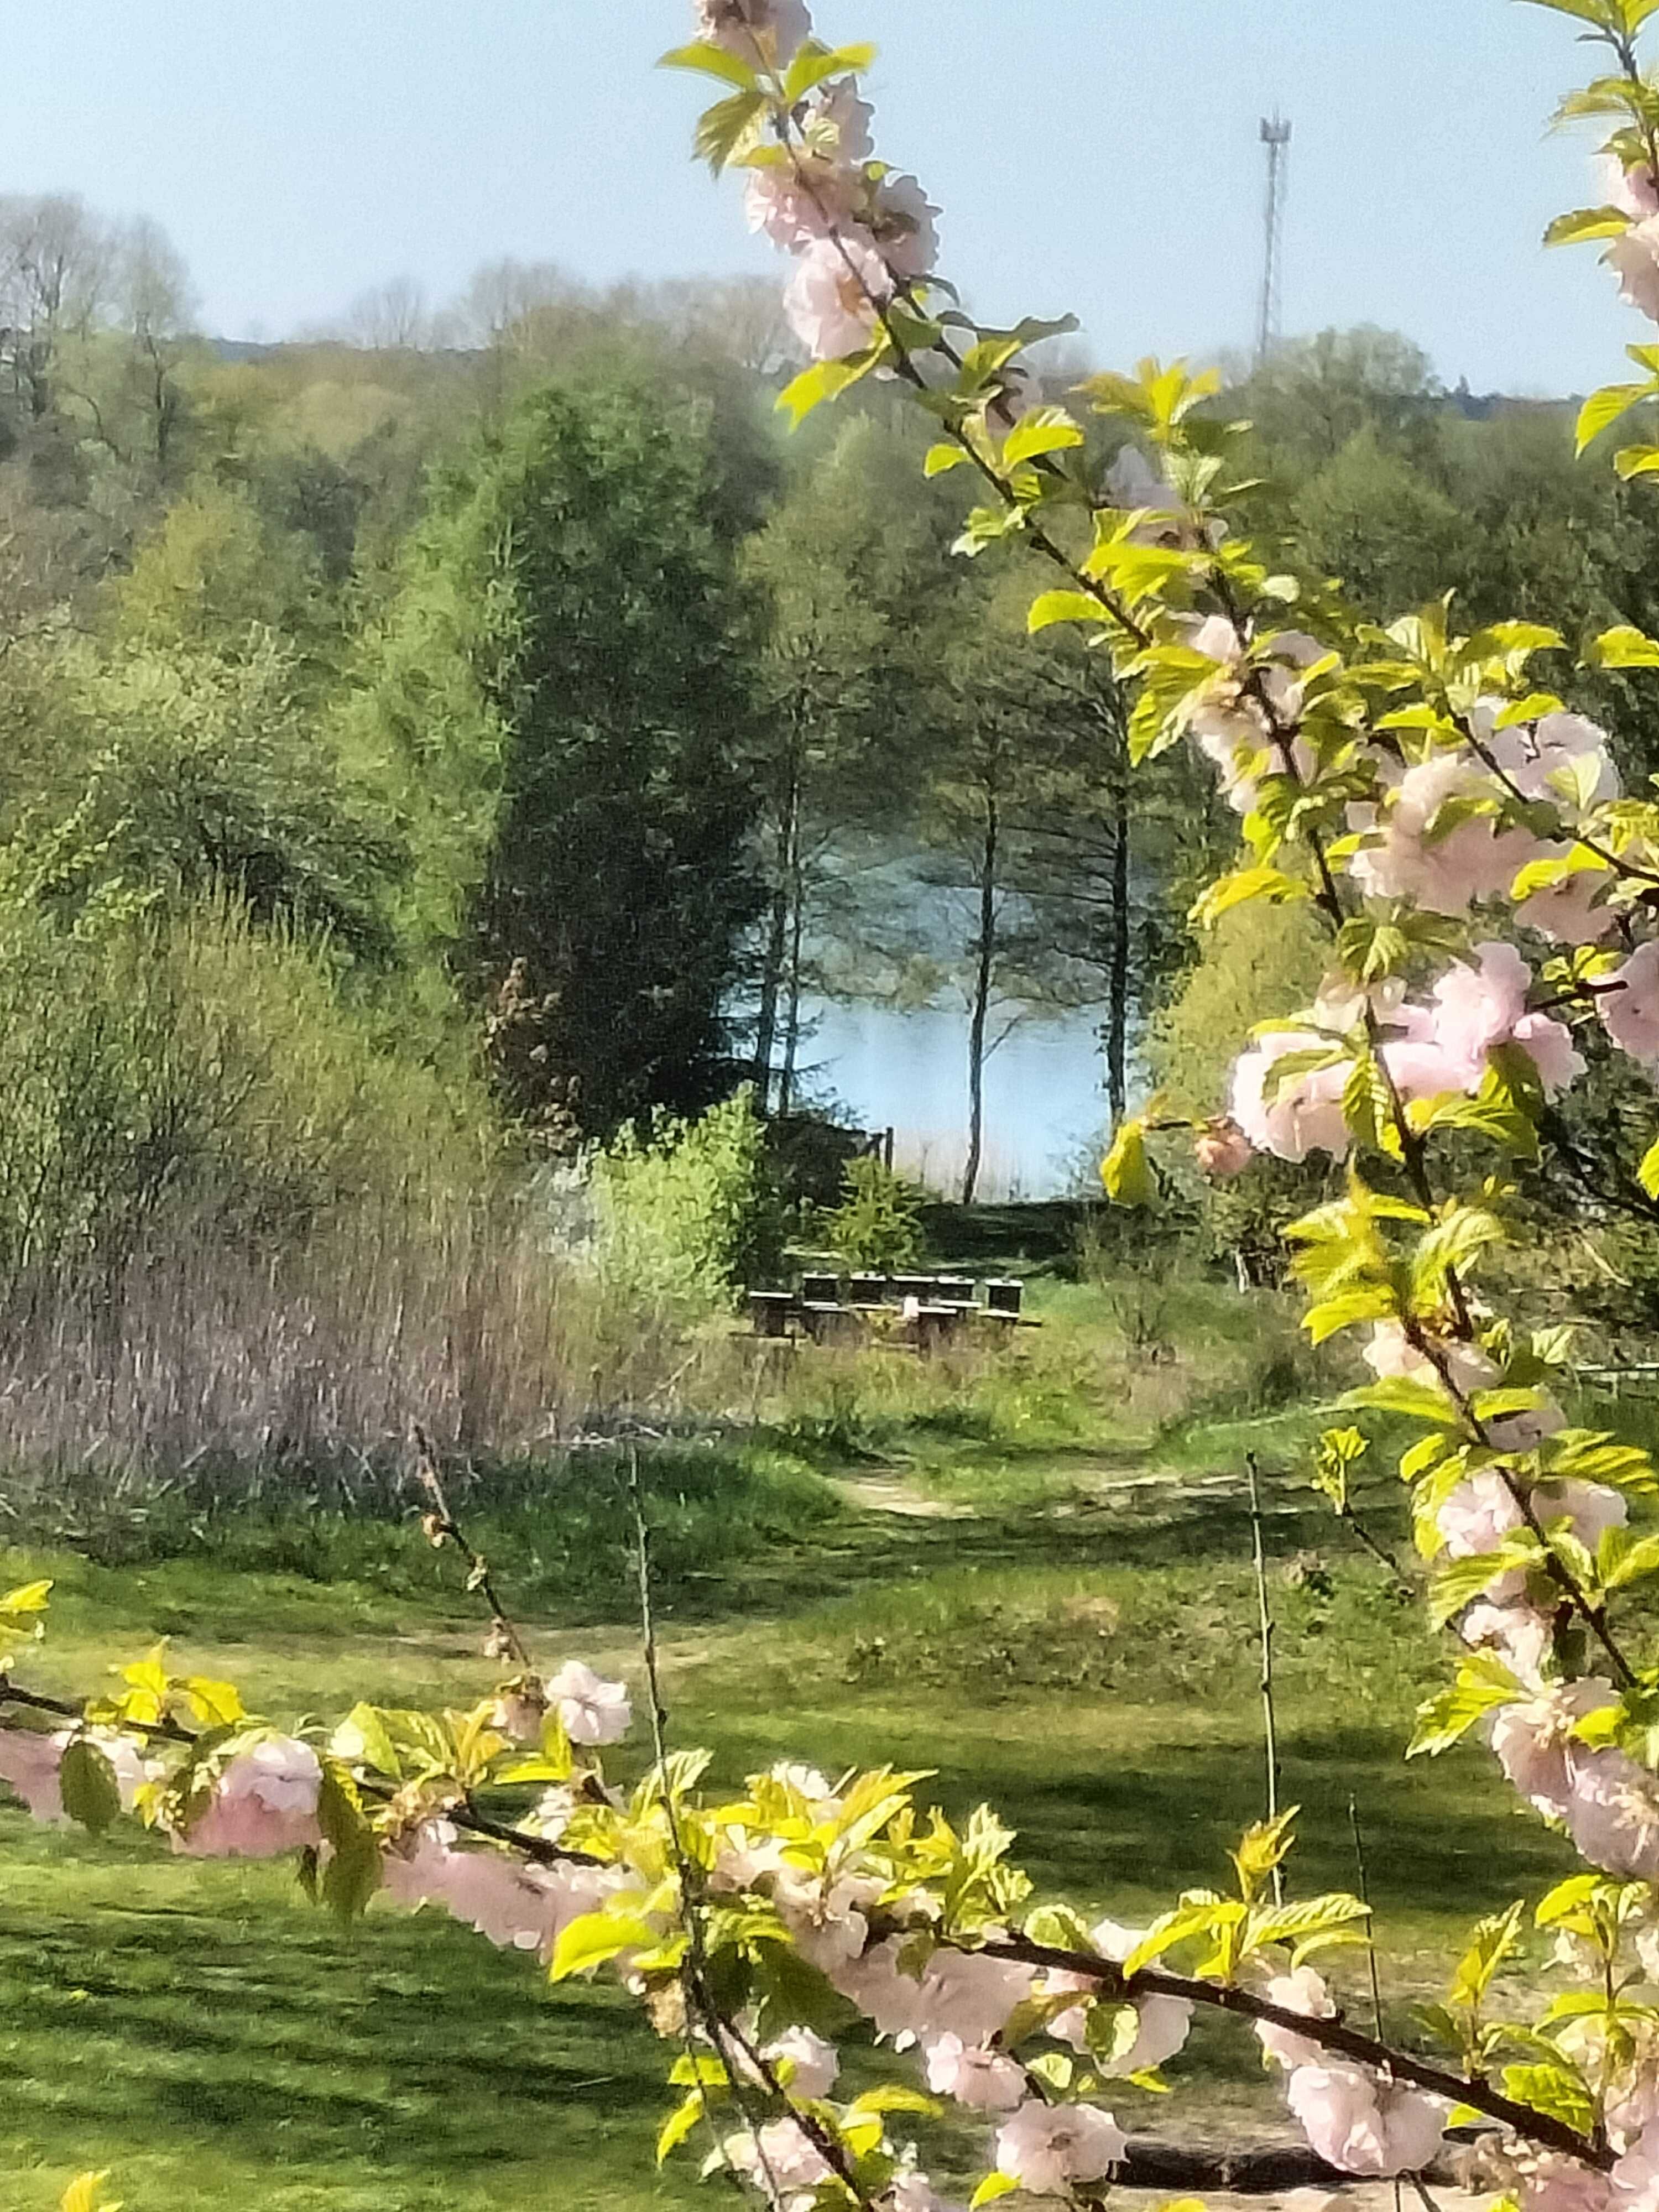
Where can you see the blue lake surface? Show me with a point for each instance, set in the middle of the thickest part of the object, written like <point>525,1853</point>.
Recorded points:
<point>1044,1097</point>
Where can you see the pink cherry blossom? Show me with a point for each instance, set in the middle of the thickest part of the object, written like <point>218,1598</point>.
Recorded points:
<point>833,299</point>
<point>1361,2125</point>
<point>811,2063</point>
<point>1591,1508</point>
<point>1045,2148</point>
<point>1391,1352</point>
<point>912,2192</point>
<point>838,125</point>
<point>417,1870</point>
<point>829,1926</point>
<point>1546,2182</point>
<point>1543,758</point>
<point>594,1710</point>
<point>983,2080</point>
<point>1568,913</point>
<point>1222,1150</point>
<point>1630,1013</point>
<point>965,1994</point>
<point>1634,260</point>
<point>1520,1635</point>
<point>1548,1044</point>
<point>903,223</point>
<point>740,25</point>
<point>1230,726</point>
<point>1478,1516</point>
<point>1165,2024</point>
<point>1306,1114</point>
<point>1445,873</point>
<point>520,1713</point>
<point>1478,1007</point>
<point>1302,1990</point>
<point>814,1786</point>
<point>29,1765</point>
<point>1613,1811</point>
<point>1635,2176</point>
<point>790,211</point>
<point>265,1803</point>
<point>890,1999</point>
<point>515,1906</point>
<point>1534,1742</point>
<point>1632,191</point>
<point>784,2157</point>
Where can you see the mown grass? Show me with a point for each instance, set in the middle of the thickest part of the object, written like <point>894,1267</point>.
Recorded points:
<point>1078,1647</point>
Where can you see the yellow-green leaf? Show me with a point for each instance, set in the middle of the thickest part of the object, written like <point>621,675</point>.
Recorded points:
<point>709,60</point>
<point>85,2194</point>
<point>593,1937</point>
<point>992,2186</point>
<point>1125,1171</point>
<point>1605,407</point>
<point>215,1704</point>
<point>679,2123</point>
<point>1044,430</point>
<point>1052,607</point>
<point>826,380</point>
<point>1625,646</point>
<point>1582,225</point>
<point>28,1597</point>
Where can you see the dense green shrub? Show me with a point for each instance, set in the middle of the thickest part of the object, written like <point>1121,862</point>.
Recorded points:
<point>685,1212</point>
<point>878,1224</point>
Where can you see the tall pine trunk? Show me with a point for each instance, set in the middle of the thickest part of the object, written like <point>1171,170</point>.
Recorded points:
<point>775,962</point>
<point>984,974</point>
<point>797,882</point>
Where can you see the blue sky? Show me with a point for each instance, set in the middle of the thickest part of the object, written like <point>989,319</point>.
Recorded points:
<point>1099,155</point>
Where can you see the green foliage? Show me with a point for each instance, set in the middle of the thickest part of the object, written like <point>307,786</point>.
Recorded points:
<point>1259,958</point>
<point>684,1211</point>
<point>877,1224</point>
<point>558,684</point>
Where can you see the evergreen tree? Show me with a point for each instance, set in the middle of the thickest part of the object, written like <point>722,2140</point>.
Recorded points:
<point>574,612</point>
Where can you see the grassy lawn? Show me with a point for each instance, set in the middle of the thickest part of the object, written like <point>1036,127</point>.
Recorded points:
<point>1060,1617</point>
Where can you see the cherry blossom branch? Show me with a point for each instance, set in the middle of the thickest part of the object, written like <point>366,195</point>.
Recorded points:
<point>1494,768</point>
<point>1594,1617</point>
<point>1331,2034</point>
<point>464,1815</point>
<point>722,2031</point>
<point>905,364</point>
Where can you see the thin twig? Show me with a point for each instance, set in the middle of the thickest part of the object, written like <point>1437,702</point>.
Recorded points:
<point>442,1527</point>
<point>1264,1620</point>
<point>1364,1886</point>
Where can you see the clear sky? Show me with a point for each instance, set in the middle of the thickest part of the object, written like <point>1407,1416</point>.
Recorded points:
<point>1100,155</point>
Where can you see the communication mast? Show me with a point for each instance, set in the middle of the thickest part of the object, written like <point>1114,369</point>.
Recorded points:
<point>1276,138</point>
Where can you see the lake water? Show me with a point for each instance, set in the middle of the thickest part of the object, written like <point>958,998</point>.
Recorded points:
<point>1044,1099</point>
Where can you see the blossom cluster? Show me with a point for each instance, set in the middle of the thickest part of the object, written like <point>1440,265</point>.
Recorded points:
<point>862,236</point>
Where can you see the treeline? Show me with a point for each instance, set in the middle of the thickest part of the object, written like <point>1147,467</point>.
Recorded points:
<point>434,750</point>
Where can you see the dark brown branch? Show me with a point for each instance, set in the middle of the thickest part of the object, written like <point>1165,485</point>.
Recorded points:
<point>1329,2034</point>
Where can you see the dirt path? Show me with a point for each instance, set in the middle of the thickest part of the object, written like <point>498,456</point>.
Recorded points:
<point>891,1491</point>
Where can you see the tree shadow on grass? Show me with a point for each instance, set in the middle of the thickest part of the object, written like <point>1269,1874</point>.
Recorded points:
<point>416,2049</point>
